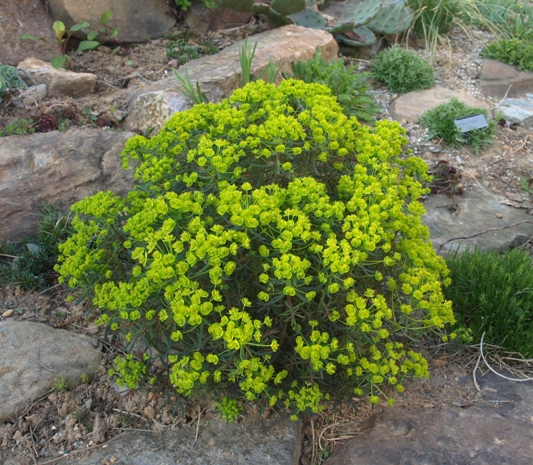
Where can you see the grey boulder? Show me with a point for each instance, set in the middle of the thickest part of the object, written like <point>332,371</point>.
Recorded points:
<point>33,354</point>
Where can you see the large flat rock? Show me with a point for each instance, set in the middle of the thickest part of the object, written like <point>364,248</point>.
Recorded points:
<point>151,106</point>
<point>499,430</point>
<point>19,17</point>
<point>478,211</point>
<point>499,80</point>
<point>135,20</point>
<point>257,441</point>
<point>411,106</point>
<point>56,167</point>
<point>33,354</point>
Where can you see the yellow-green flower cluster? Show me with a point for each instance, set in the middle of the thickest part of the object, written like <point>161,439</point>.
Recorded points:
<point>272,248</point>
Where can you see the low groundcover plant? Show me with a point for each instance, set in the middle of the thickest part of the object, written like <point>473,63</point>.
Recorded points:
<point>272,250</point>
<point>440,122</point>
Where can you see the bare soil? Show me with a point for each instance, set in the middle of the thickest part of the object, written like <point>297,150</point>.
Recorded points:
<point>60,423</point>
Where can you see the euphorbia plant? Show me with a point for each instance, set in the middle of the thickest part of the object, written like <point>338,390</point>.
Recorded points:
<point>272,250</point>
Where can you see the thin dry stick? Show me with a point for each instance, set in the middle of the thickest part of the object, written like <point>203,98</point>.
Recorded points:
<point>82,450</point>
<point>474,374</point>
<point>197,426</point>
<point>31,448</point>
<point>504,97</point>
<point>129,413</point>
<point>483,232</point>
<point>313,442</point>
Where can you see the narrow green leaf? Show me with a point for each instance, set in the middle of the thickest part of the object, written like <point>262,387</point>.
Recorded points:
<point>105,17</point>
<point>88,45</point>
<point>92,35</point>
<point>79,26</point>
<point>30,37</point>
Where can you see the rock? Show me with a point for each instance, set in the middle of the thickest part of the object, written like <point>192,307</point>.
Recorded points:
<point>499,80</point>
<point>499,430</point>
<point>19,17</point>
<point>60,167</point>
<point>135,20</point>
<point>518,110</point>
<point>413,105</point>
<point>274,441</point>
<point>202,19</point>
<point>477,213</point>
<point>33,354</point>
<point>60,82</point>
<point>151,106</point>
<point>34,94</point>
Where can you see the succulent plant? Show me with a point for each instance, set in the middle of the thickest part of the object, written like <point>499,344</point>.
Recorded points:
<point>47,123</point>
<point>9,79</point>
<point>357,21</point>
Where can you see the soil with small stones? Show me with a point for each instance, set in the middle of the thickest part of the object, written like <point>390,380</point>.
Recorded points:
<point>60,423</point>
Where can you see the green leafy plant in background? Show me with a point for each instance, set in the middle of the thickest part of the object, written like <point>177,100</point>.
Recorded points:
<point>349,86</point>
<point>18,127</point>
<point>440,122</point>
<point>63,36</point>
<point>493,294</point>
<point>434,19</point>
<point>402,70</point>
<point>271,251</point>
<point>514,18</point>
<point>517,52</point>
<point>9,80</point>
<point>30,264</point>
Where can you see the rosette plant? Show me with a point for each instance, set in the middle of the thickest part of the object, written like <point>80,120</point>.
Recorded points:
<point>272,250</point>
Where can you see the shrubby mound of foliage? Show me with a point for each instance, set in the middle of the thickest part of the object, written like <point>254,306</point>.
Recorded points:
<point>517,52</point>
<point>493,294</point>
<point>402,70</point>
<point>272,250</point>
<point>441,123</point>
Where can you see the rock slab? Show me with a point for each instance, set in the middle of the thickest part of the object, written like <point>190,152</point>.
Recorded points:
<point>60,82</point>
<point>411,106</point>
<point>478,211</point>
<point>492,433</point>
<point>56,167</point>
<point>499,80</point>
<point>518,110</point>
<point>33,354</point>
<point>151,106</point>
<point>19,17</point>
<point>202,19</point>
<point>135,20</point>
<point>257,441</point>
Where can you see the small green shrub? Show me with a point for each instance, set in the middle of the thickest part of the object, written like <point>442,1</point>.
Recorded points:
<point>440,122</point>
<point>515,52</point>
<point>272,250</point>
<point>402,70</point>
<point>347,85</point>
<point>30,264</point>
<point>18,127</point>
<point>493,294</point>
